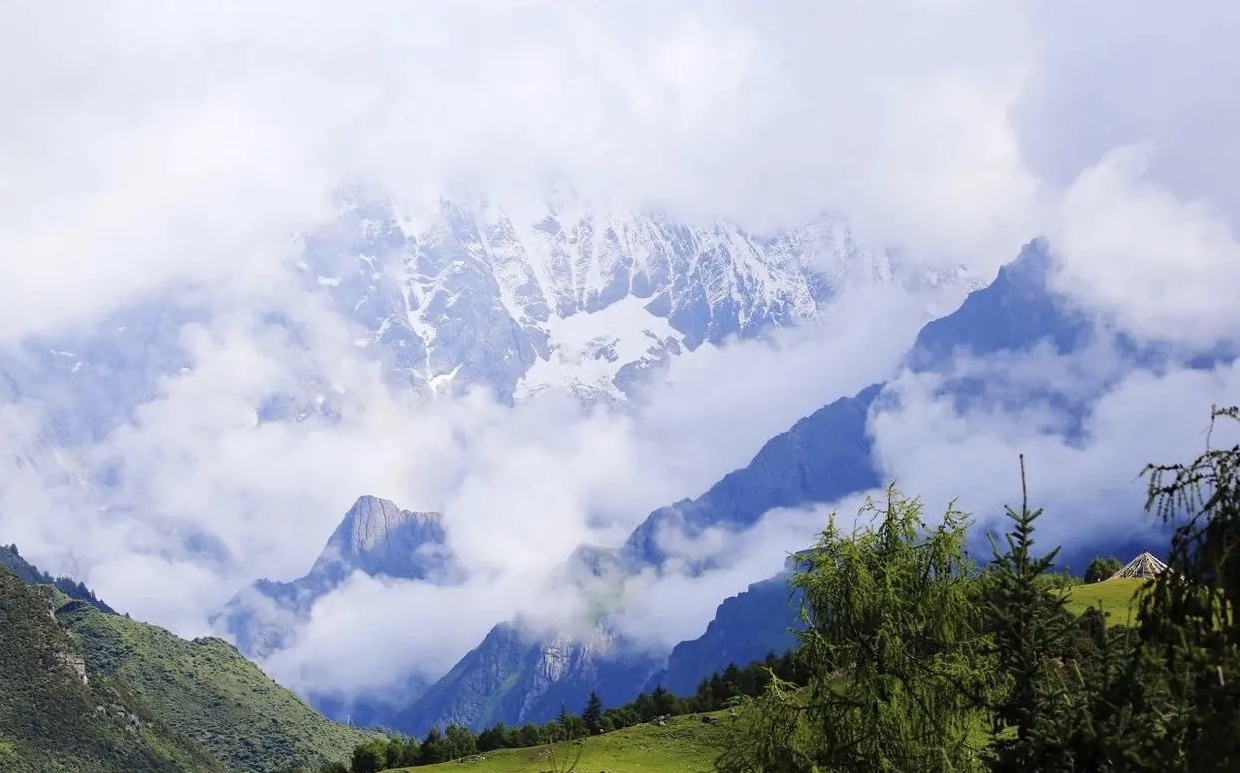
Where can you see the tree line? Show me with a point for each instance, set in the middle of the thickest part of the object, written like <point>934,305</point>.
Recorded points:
<point>455,742</point>
<point>31,575</point>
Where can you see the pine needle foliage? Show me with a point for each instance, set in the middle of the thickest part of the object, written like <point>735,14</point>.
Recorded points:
<point>893,630</point>
<point>1029,623</point>
<point>1190,618</point>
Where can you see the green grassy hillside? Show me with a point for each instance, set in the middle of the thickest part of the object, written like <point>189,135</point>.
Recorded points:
<point>1118,599</point>
<point>684,745</point>
<point>52,721</point>
<point>205,688</point>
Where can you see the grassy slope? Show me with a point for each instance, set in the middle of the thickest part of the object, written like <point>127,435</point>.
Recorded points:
<point>207,689</point>
<point>50,721</point>
<point>684,745</point>
<point>1116,598</point>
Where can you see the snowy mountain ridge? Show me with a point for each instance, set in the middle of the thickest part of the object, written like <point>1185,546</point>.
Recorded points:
<point>572,297</point>
<point>566,295</point>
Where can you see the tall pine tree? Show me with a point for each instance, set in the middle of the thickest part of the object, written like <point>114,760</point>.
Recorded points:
<point>1190,619</point>
<point>593,714</point>
<point>1028,622</point>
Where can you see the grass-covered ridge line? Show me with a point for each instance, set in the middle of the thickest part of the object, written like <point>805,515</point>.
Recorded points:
<point>205,688</point>
<point>31,575</point>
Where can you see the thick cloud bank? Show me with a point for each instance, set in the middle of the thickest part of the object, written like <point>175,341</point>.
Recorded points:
<point>152,150</point>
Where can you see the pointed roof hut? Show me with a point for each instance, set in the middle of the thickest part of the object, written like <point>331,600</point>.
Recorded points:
<point>1143,567</point>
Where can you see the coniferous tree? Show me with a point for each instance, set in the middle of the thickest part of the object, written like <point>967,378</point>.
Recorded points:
<point>369,757</point>
<point>498,736</point>
<point>1101,568</point>
<point>1028,623</point>
<point>593,714</point>
<point>434,749</point>
<point>528,735</point>
<point>1190,619</point>
<point>459,742</point>
<point>895,647</point>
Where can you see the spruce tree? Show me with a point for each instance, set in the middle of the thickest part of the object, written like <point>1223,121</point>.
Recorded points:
<point>1190,618</point>
<point>1028,622</point>
<point>894,646</point>
<point>593,714</point>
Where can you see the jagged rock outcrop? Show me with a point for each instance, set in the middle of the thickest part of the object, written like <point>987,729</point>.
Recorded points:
<point>571,294</point>
<point>824,456</point>
<point>376,537</point>
<point>517,675</point>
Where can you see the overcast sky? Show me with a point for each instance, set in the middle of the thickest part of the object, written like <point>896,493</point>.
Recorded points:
<point>149,145</point>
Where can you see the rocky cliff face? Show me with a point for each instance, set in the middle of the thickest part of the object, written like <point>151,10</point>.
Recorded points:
<point>376,537</point>
<point>515,676</point>
<point>759,620</point>
<point>824,457</point>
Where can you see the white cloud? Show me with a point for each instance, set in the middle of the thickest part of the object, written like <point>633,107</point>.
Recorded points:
<point>663,609</point>
<point>1090,485</point>
<point>1134,252</point>
<point>764,386</point>
<point>151,146</point>
<point>159,143</point>
<point>404,628</point>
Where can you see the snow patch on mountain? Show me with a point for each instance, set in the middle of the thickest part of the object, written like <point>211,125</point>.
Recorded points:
<point>571,294</point>
<point>603,350</point>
